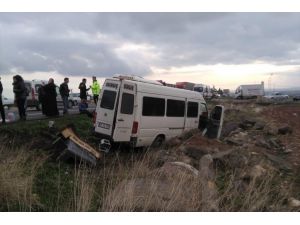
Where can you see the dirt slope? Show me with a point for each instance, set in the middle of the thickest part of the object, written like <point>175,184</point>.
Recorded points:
<point>290,115</point>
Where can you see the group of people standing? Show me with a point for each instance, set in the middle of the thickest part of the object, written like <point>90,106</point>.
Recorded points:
<point>47,96</point>
<point>95,90</point>
<point>21,93</point>
<point>95,87</point>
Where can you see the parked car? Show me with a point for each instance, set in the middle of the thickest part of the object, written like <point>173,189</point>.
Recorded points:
<point>7,101</point>
<point>89,97</point>
<point>277,96</point>
<point>74,99</point>
<point>296,98</point>
<point>216,95</point>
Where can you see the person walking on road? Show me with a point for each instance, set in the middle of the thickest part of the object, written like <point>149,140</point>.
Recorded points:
<point>21,94</point>
<point>65,92</point>
<point>83,90</point>
<point>95,89</point>
<point>50,102</point>
<point>1,104</point>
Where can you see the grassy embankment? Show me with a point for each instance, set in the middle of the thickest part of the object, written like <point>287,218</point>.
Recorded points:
<point>32,179</point>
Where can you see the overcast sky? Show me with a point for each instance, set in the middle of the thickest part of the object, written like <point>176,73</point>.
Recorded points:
<point>222,49</point>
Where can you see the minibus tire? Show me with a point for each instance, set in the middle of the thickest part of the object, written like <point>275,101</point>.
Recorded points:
<point>158,141</point>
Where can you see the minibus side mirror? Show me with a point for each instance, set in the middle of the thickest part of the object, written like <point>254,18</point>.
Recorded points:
<point>215,124</point>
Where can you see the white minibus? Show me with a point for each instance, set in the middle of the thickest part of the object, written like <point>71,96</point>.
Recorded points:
<point>142,112</point>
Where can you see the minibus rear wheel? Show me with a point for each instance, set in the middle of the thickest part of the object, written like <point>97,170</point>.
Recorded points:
<point>158,141</point>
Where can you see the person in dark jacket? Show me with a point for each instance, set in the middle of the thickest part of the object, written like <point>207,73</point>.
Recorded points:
<point>50,103</point>
<point>65,92</point>
<point>83,90</point>
<point>41,97</point>
<point>20,95</point>
<point>1,104</point>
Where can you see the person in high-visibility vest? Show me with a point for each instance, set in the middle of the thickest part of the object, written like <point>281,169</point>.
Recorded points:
<point>95,89</point>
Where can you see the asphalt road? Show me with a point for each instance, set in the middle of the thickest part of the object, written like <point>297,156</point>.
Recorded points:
<point>33,114</point>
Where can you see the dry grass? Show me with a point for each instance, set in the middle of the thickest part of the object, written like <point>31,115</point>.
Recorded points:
<point>256,195</point>
<point>17,172</point>
<point>145,189</point>
<point>136,184</point>
<point>85,180</point>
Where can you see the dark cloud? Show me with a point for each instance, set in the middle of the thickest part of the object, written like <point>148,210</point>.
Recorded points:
<point>93,43</point>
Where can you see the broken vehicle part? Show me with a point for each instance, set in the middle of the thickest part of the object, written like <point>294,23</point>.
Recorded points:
<point>215,124</point>
<point>78,148</point>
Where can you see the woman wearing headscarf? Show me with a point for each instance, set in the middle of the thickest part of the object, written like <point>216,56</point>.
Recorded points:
<point>20,92</point>
<point>50,103</point>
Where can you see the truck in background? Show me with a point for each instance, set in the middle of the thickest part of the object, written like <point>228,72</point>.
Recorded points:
<point>250,91</point>
<point>203,89</point>
<point>185,85</point>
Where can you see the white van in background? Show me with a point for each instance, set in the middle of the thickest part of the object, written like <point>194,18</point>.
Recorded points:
<point>141,112</point>
<point>7,102</point>
<point>33,88</point>
<point>203,89</point>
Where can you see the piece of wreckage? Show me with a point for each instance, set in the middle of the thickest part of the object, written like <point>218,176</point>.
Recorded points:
<point>215,123</point>
<point>73,147</point>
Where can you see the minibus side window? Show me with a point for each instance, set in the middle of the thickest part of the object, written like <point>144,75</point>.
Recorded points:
<point>127,103</point>
<point>192,110</point>
<point>153,106</point>
<point>175,108</point>
<point>108,99</point>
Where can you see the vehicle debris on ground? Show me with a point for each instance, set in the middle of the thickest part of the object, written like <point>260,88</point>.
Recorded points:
<point>75,147</point>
